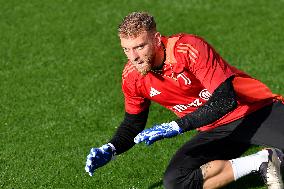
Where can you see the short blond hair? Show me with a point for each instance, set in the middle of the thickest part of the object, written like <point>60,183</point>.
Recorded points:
<point>135,23</point>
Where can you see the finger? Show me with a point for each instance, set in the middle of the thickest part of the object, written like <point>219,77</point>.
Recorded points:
<point>89,169</point>
<point>155,138</point>
<point>149,142</point>
<point>89,160</point>
<point>140,138</point>
<point>93,152</point>
<point>91,172</point>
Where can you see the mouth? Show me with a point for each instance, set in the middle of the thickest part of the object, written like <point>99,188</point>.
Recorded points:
<point>142,67</point>
<point>138,63</point>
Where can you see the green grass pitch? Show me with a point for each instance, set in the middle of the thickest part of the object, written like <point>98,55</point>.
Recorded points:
<point>60,74</point>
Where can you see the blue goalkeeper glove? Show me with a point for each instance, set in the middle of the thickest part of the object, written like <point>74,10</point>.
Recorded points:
<point>158,132</point>
<point>98,157</point>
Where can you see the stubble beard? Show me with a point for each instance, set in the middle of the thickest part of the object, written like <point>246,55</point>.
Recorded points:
<point>144,71</point>
<point>147,66</point>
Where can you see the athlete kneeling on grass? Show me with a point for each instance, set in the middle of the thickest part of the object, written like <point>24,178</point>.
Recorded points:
<point>230,109</point>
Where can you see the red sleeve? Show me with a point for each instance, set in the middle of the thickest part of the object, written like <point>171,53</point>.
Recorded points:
<point>133,100</point>
<point>206,64</point>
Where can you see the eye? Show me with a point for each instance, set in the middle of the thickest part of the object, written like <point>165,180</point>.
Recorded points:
<point>125,49</point>
<point>140,47</point>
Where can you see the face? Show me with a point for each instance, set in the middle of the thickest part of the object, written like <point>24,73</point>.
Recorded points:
<point>141,51</point>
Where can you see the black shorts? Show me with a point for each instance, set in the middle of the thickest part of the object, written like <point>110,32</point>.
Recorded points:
<point>264,127</point>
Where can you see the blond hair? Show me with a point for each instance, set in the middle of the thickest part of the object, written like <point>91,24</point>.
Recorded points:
<point>135,23</point>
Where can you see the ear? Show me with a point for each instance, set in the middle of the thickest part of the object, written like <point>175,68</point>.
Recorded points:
<point>158,38</point>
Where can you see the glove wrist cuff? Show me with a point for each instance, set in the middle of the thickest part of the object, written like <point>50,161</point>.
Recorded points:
<point>113,149</point>
<point>175,126</point>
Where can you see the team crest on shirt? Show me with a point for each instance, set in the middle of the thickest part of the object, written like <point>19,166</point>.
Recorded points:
<point>186,80</point>
<point>154,92</point>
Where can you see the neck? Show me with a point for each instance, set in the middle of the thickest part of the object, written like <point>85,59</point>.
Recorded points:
<point>160,58</point>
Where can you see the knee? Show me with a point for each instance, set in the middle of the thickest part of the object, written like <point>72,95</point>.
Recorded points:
<point>170,180</point>
<point>177,178</point>
<point>181,178</point>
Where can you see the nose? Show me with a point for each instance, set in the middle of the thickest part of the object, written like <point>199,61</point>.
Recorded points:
<point>133,56</point>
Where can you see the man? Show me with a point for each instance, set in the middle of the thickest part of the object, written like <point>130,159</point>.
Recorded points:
<point>230,109</point>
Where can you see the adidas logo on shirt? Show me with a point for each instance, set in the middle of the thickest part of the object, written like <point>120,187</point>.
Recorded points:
<point>154,92</point>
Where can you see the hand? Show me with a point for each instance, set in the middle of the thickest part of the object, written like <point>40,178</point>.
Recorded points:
<point>98,157</point>
<point>158,132</point>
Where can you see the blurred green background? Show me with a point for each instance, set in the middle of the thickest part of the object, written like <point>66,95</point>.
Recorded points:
<point>60,75</point>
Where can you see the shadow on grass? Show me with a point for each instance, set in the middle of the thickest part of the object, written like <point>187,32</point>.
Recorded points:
<point>248,182</point>
<point>156,185</point>
<point>252,181</point>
